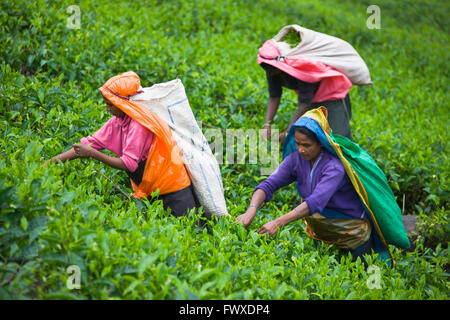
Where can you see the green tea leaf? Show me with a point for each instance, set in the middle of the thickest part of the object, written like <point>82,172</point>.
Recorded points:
<point>24,223</point>
<point>146,262</point>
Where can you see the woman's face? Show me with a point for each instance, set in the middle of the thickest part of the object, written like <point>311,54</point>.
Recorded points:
<point>308,149</point>
<point>113,109</point>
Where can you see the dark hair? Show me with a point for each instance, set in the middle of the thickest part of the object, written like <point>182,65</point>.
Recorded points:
<point>269,67</point>
<point>311,135</point>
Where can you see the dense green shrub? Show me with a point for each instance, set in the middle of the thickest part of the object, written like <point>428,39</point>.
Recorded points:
<point>68,214</point>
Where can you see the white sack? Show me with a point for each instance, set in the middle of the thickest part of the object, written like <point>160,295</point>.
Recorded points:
<point>327,49</point>
<point>169,101</point>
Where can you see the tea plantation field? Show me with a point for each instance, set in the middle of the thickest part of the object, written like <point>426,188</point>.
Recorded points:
<point>53,59</point>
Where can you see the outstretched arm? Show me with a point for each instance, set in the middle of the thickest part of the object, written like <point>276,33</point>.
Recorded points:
<point>258,197</point>
<point>272,108</point>
<point>272,227</point>
<point>283,176</point>
<point>67,155</point>
<point>86,151</point>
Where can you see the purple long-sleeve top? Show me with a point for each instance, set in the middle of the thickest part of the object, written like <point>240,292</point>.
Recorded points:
<point>326,185</point>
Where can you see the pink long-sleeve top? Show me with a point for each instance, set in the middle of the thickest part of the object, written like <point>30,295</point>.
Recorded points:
<point>128,139</point>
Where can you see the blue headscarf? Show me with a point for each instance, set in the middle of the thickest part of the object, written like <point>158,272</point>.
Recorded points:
<point>289,143</point>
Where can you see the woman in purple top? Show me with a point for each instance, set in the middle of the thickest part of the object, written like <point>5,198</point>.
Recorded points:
<point>331,206</point>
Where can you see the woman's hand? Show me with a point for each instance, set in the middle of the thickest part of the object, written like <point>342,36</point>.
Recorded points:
<point>83,150</point>
<point>63,157</point>
<point>272,227</point>
<point>269,228</point>
<point>247,217</point>
<point>266,132</point>
<point>257,199</point>
<point>282,136</point>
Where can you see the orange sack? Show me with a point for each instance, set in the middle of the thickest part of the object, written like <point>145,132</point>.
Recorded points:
<point>164,169</point>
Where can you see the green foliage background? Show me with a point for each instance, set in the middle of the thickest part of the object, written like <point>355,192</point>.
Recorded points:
<point>69,215</point>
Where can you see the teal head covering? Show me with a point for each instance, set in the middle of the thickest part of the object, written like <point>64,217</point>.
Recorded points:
<point>289,143</point>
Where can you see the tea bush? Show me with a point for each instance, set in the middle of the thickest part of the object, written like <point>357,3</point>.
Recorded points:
<point>68,214</point>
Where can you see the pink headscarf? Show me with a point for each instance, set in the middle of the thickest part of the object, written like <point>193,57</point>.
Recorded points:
<point>334,85</point>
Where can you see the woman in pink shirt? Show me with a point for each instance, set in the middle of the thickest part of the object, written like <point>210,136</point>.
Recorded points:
<point>131,142</point>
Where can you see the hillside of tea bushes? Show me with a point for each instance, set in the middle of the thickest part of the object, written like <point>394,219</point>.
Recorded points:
<point>69,214</point>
